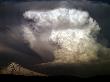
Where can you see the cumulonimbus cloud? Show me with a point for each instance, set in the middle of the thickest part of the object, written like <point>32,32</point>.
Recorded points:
<point>70,34</point>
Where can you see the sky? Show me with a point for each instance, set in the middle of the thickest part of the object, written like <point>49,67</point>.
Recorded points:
<point>12,46</point>
<point>97,10</point>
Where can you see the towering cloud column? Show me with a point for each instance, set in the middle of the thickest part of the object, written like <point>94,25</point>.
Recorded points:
<point>71,34</point>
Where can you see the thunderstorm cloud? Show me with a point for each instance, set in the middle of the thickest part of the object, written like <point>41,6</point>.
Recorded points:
<point>49,33</point>
<point>70,29</point>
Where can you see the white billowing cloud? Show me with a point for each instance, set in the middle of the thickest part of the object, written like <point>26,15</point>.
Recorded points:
<point>71,31</point>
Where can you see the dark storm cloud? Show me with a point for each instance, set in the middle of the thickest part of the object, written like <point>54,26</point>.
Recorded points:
<point>11,17</point>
